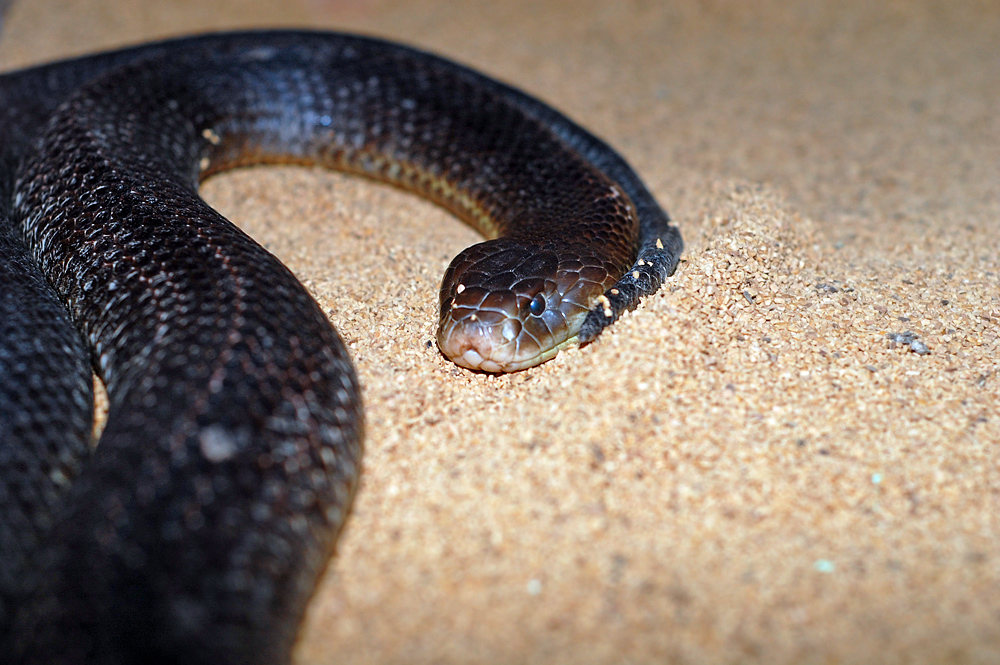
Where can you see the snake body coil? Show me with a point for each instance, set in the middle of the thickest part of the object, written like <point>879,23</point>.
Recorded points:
<point>197,529</point>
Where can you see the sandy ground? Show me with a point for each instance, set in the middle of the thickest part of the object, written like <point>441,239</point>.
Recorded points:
<point>745,469</point>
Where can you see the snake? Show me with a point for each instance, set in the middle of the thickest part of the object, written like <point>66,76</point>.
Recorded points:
<point>196,529</point>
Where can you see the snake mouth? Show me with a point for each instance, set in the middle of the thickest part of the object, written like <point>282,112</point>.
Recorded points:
<point>477,341</point>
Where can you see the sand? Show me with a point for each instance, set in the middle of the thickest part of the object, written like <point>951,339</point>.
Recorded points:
<point>745,470</point>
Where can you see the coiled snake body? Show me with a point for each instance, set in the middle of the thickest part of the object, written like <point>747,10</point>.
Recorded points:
<point>196,530</point>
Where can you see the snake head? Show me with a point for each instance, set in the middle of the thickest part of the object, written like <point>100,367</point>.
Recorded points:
<point>507,306</point>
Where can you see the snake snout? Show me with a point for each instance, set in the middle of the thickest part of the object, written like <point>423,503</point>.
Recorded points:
<point>479,330</point>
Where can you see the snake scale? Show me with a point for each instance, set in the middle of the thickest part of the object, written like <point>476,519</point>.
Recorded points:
<point>196,530</point>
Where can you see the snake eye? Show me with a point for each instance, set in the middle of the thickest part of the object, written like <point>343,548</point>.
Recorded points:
<point>537,305</point>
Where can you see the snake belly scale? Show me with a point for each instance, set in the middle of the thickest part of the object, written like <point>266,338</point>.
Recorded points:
<point>196,530</point>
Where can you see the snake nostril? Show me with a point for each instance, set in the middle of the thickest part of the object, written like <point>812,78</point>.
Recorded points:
<point>537,306</point>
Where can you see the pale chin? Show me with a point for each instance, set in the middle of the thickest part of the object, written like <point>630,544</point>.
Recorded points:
<point>476,350</point>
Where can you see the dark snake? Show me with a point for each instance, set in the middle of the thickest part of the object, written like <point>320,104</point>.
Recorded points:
<point>196,531</point>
